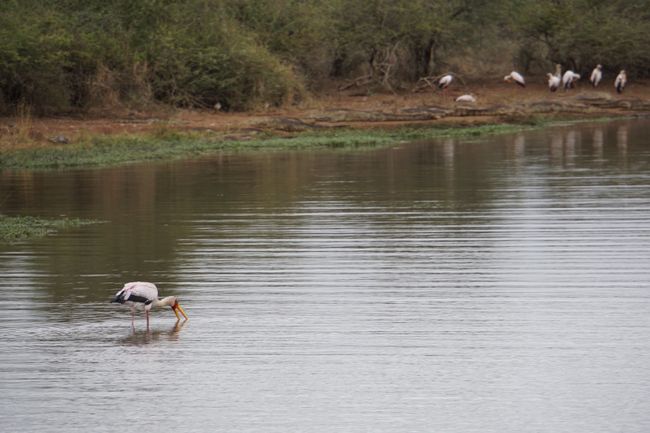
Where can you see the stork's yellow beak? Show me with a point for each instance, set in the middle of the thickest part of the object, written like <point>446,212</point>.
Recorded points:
<point>177,307</point>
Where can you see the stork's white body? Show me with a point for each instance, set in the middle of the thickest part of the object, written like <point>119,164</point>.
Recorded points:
<point>553,82</point>
<point>516,77</point>
<point>138,289</point>
<point>143,294</point>
<point>445,81</point>
<point>569,79</point>
<point>620,82</point>
<point>596,75</point>
<point>466,98</point>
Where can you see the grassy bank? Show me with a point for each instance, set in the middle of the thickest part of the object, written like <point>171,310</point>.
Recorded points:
<point>14,229</point>
<point>105,150</point>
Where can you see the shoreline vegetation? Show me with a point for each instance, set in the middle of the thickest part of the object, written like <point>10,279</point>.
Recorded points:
<point>110,150</point>
<point>18,228</point>
<point>166,145</point>
<point>345,123</point>
<point>94,83</point>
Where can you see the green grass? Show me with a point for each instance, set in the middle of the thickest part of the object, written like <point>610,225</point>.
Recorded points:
<point>13,229</point>
<point>100,151</point>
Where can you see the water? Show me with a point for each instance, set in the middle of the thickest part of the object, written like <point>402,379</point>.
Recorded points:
<point>493,285</point>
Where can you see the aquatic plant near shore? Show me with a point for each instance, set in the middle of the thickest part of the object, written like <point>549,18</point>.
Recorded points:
<point>17,228</point>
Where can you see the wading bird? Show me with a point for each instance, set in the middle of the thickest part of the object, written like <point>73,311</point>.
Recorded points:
<point>553,82</point>
<point>466,98</point>
<point>569,79</point>
<point>621,81</point>
<point>516,77</point>
<point>139,293</point>
<point>445,81</point>
<point>596,75</point>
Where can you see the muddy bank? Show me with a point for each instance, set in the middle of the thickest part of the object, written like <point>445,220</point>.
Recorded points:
<point>495,105</point>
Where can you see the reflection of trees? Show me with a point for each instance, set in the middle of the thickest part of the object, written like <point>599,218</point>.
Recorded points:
<point>146,209</point>
<point>154,212</point>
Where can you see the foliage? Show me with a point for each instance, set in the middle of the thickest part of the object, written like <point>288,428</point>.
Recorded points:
<point>76,55</point>
<point>582,33</point>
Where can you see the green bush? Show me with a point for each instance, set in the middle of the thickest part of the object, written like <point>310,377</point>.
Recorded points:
<point>74,55</point>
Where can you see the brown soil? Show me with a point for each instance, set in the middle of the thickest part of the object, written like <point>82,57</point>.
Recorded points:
<point>355,108</point>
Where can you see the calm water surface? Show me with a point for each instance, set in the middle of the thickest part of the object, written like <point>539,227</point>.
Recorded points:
<point>495,285</point>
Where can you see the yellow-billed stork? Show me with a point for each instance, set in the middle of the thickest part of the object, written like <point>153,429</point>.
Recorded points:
<point>142,294</point>
<point>466,98</point>
<point>516,77</point>
<point>569,79</point>
<point>445,81</point>
<point>596,75</point>
<point>553,82</point>
<point>621,81</point>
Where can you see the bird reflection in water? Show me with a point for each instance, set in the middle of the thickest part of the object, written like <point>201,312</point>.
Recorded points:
<point>448,152</point>
<point>556,147</point>
<point>570,142</point>
<point>621,139</point>
<point>519,146</point>
<point>598,142</point>
<point>141,338</point>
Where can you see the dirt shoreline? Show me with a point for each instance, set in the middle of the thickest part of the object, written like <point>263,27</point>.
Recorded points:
<point>495,104</point>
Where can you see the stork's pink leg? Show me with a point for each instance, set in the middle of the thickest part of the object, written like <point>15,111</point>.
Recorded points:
<point>146,313</point>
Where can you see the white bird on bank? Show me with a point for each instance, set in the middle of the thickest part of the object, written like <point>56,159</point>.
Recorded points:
<point>621,81</point>
<point>596,75</point>
<point>569,79</point>
<point>466,98</point>
<point>516,77</point>
<point>553,82</point>
<point>445,81</point>
<point>137,294</point>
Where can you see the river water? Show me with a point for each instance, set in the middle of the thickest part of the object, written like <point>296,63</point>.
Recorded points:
<point>498,284</point>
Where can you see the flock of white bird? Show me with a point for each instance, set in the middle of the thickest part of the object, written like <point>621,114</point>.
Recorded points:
<point>566,81</point>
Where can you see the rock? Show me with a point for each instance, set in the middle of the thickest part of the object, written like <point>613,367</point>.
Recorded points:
<point>289,124</point>
<point>59,139</point>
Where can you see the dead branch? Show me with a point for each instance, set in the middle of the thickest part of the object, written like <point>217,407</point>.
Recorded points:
<point>358,82</point>
<point>423,83</point>
<point>432,80</point>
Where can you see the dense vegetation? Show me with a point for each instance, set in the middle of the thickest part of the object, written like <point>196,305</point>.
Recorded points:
<point>75,55</point>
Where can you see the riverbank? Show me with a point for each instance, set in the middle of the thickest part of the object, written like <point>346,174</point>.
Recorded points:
<point>338,119</point>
